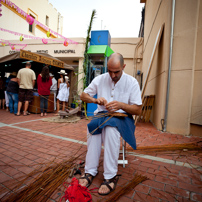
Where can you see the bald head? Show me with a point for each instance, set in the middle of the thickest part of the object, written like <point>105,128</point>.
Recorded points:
<point>116,58</point>
<point>115,66</point>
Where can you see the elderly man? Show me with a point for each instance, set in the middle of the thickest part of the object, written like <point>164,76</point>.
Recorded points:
<point>26,80</point>
<point>116,92</point>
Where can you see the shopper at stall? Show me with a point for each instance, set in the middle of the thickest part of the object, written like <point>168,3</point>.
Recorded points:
<point>12,93</point>
<point>44,82</point>
<point>63,93</point>
<point>26,79</point>
<point>53,88</point>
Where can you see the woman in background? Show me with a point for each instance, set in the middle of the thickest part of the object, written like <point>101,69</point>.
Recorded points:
<point>63,94</point>
<point>12,93</point>
<point>44,83</point>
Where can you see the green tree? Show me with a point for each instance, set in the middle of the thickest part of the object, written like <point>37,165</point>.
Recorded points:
<point>85,62</point>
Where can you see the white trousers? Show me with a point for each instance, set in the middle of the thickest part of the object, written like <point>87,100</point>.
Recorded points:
<point>6,98</point>
<point>54,92</point>
<point>110,137</point>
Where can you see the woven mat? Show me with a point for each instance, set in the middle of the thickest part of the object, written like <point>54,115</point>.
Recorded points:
<point>57,119</point>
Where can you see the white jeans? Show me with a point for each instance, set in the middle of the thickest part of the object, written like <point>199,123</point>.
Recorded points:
<point>6,98</point>
<point>110,137</point>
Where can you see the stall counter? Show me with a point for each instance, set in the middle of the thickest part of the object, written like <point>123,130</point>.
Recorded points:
<point>34,106</point>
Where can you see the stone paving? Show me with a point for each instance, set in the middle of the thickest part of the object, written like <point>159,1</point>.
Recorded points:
<point>27,141</point>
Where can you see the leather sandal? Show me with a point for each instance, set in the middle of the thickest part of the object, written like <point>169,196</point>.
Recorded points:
<point>87,177</point>
<point>107,182</point>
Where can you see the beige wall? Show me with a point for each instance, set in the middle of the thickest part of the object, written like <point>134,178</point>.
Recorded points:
<point>182,66</point>
<point>185,99</point>
<point>157,82</point>
<point>196,110</point>
<point>131,49</point>
<point>15,22</point>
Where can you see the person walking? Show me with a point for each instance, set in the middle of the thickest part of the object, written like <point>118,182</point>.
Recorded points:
<point>44,83</point>
<point>12,93</point>
<point>26,80</point>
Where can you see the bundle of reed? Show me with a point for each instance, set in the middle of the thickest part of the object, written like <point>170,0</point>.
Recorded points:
<point>117,114</point>
<point>131,185</point>
<point>110,114</point>
<point>45,182</point>
<point>171,147</point>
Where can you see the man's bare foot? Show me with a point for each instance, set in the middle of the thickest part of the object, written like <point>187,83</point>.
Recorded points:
<point>83,182</point>
<point>104,189</point>
<point>86,180</point>
<point>45,114</point>
<point>108,186</point>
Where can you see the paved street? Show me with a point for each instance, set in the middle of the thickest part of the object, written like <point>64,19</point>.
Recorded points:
<point>28,141</point>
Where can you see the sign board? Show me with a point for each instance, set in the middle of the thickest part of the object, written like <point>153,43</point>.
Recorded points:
<point>42,59</point>
<point>101,37</point>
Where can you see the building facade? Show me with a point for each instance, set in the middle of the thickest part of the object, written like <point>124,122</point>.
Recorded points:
<point>176,71</point>
<point>13,19</point>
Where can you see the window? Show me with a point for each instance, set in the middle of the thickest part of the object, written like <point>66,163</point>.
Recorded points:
<point>47,20</point>
<point>32,27</point>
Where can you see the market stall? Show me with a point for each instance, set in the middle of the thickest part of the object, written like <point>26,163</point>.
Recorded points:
<point>17,60</point>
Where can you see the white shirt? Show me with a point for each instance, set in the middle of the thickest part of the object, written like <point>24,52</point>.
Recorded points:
<point>54,84</point>
<point>126,90</point>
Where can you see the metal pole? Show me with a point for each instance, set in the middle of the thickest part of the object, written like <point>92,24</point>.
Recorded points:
<point>170,63</point>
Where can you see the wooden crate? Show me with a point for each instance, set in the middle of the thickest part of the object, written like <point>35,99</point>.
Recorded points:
<point>34,106</point>
<point>147,106</point>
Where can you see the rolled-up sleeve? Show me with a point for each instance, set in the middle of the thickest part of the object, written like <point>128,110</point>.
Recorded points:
<point>135,95</point>
<point>92,88</point>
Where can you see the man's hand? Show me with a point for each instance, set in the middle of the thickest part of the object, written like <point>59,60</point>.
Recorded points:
<point>131,109</point>
<point>88,99</point>
<point>113,106</point>
<point>100,101</point>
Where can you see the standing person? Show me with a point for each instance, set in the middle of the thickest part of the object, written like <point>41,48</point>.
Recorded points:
<point>63,94</point>
<point>6,96</point>
<point>54,88</point>
<point>44,83</point>
<point>63,90</point>
<point>116,92</point>
<point>12,93</point>
<point>26,79</point>
<point>2,89</point>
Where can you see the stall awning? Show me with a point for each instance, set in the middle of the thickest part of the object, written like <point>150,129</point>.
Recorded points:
<point>36,57</point>
<point>100,49</point>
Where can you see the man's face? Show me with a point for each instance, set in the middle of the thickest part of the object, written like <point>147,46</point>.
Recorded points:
<point>115,71</point>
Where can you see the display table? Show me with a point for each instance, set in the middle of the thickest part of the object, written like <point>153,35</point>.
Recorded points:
<point>34,106</point>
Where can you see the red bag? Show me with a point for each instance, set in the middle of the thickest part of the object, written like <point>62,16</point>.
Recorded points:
<point>77,193</point>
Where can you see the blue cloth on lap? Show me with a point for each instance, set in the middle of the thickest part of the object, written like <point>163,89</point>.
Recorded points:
<point>125,126</point>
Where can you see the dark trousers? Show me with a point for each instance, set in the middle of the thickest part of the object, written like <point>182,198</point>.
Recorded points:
<point>43,103</point>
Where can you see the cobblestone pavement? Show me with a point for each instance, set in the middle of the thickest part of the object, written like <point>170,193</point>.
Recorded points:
<point>27,141</point>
